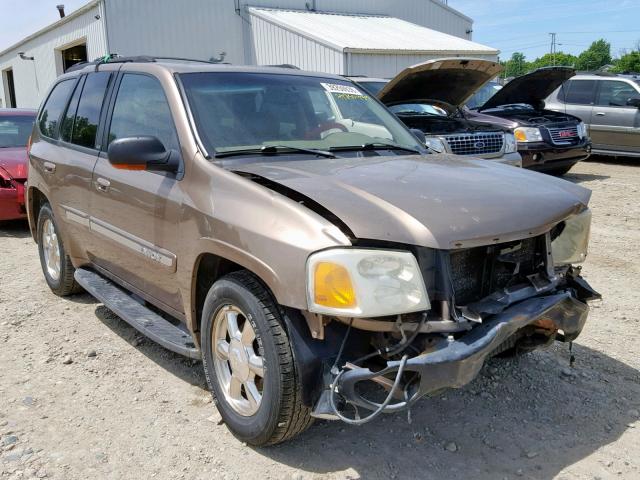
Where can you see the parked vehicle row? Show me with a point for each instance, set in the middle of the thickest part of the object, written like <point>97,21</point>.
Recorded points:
<point>509,124</point>
<point>289,230</point>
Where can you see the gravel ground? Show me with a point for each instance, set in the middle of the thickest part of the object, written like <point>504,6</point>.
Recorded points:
<point>82,395</point>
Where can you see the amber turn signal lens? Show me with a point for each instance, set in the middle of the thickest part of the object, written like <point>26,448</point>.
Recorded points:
<point>520,135</point>
<point>333,287</point>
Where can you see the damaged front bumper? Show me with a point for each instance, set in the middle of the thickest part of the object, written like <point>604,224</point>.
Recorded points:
<point>453,363</point>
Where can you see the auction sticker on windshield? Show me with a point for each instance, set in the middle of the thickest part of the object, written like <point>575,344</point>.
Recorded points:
<point>344,89</point>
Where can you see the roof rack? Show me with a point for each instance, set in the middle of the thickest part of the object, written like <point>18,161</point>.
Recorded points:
<point>115,58</point>
<point>600,73</point>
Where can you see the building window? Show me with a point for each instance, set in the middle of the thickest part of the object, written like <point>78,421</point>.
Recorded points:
<point>73,55</point>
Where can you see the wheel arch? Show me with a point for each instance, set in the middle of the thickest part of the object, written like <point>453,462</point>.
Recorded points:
<point>210,266</point>
<point>35,199</point>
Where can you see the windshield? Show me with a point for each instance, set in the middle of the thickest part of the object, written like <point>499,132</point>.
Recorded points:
<point>244,111</point>
<point>418,108</point>
<point>15,130</point>
<point>372,87</point>
<point>483,95</point>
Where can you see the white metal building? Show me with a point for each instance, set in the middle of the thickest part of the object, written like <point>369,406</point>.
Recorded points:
<point>349,37</point>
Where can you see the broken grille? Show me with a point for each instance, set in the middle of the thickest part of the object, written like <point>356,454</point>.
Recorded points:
<point>476,143</point>
<point>477,272</point>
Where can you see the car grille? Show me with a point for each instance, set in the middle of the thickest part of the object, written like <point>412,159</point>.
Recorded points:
<point>475,143</point>
<point>477,272</point>
<point>563,135</point>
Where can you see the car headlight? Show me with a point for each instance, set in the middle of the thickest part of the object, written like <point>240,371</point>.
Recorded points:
<point>365,283</point>
<point>582,130</point>
<point>572,243</point>
<point>510,145</point>
<point>435,144</point>
<point>527,134</point>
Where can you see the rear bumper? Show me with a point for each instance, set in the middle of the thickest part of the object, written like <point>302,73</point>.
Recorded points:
<point>542,156</point>
<point>455,363</point>
<point>12,205</point>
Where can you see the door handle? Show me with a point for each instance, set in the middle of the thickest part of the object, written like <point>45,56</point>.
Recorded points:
<point>102,184</point>
<point>49,167</point>
<point>600,114</point>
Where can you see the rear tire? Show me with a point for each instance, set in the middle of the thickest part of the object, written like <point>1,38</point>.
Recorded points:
<point>264,406</point>
<point>56,264</point>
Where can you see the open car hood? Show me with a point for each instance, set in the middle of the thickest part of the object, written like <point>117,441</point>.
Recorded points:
<point>530,88</point>
<point>450,80</point>
<point>437,201</point>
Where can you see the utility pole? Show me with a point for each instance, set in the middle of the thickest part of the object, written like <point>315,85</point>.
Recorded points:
<point>553,48</point>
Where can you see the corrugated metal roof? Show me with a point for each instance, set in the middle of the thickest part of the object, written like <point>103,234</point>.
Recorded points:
<point>369,33</point>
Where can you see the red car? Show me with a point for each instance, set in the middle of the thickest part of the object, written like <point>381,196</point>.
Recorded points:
<point>15,128</point>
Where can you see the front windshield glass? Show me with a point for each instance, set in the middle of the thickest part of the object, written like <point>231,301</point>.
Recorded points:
<point>372,87</point>
<point>483,95</point>
<point>418,109</point>
<point>15,130</point>
<point>243,111</point>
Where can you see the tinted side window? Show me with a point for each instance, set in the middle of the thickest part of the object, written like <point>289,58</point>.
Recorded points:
<point>53,108</point>
<point>615,94</point>
<point>85,125</point>
<point>580,92</point>
<point>141,108</point>
<point>66,126</point>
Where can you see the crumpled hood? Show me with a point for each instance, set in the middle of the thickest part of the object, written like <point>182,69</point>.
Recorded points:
<point>437,201</point>
<point>530,88</point>
<point>14,162</point>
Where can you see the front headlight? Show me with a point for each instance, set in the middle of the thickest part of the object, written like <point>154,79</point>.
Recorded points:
<point>434,144</point>
<point>510,145</point>
<point>365,283</point>
<point>527,134</point>
<point>572,243</point>
<point>582,130</point>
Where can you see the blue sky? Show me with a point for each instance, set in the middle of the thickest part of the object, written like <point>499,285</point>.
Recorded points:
<point>524,25</point>
<point>20,18</point>
<point>509,25</point>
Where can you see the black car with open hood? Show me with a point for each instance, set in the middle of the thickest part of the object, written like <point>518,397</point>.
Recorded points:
<point>547,140</point>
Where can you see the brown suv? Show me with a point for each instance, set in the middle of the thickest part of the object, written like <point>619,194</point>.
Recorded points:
<point>232,214</point>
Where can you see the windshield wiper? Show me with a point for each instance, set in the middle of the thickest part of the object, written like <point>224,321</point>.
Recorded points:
<point>376,146</point>
<point>274,150</point>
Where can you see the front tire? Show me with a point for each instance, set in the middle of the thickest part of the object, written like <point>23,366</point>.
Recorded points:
<point>249,364</point>
<point>56,264</point>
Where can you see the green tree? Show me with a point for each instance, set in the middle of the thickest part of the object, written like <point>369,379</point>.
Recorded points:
<point>549,60</point>
<point>629,62</point>
<point>517,65</point>
<point>596,56</point>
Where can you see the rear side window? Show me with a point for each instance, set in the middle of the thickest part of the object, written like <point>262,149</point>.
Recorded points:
<point>87,116</point>
<point>50,116</point>
<point>615,94</point>
<point>66,126</point>
<point>141,108</point>
<point>578,92</point>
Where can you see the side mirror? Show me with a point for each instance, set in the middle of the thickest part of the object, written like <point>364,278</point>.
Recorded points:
<point>634,102</point>
<point>419,134</point>
<point>141,153</point>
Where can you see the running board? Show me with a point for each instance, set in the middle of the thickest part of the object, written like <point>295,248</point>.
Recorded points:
<point>137,315</point>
